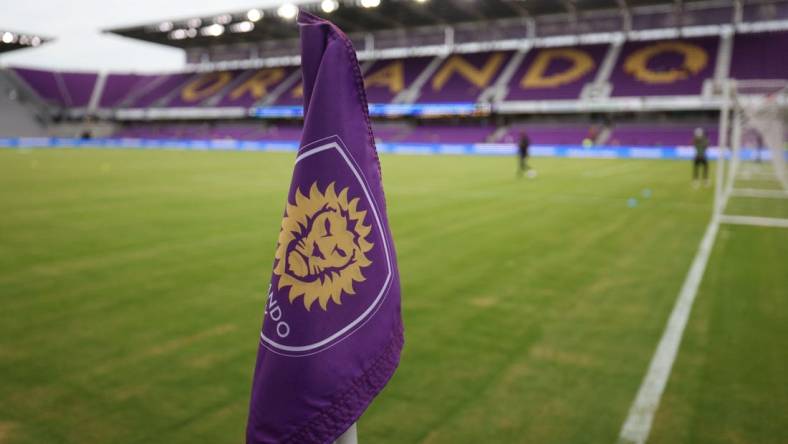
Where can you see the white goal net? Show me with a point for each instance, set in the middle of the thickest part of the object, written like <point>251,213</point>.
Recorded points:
<point>758,126</point>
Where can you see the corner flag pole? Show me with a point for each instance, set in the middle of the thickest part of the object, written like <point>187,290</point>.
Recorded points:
<point>349,437</point>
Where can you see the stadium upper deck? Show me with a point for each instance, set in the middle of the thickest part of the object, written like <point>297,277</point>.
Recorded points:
<point>445,57</point>
<point>683,70</point>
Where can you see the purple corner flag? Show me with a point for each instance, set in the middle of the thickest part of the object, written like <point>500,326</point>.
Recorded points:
<point>332,329</point>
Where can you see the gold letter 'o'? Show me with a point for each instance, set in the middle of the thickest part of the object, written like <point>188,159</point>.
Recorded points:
<point>695,59</point>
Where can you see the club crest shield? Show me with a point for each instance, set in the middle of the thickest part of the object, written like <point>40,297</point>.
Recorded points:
<point>333,265</point>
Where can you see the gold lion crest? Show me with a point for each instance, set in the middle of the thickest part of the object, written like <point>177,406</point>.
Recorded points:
<point>322,246</point>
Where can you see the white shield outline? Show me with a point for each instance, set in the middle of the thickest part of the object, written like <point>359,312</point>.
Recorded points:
<point>305,350</point>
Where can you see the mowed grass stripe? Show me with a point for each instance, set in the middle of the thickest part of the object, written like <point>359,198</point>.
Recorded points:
<point>134,294</point>
<point>728,383</point>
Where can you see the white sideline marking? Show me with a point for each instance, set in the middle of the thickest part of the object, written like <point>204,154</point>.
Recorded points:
<point>637,426</point>
<point>754,220</point>
<point>759,192</point>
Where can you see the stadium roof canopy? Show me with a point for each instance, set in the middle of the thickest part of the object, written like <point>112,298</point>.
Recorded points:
<point>11,41</point>
<point>360,16</point>
<point>395,28</point>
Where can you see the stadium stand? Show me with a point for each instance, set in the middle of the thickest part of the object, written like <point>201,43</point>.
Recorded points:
<point>668,67</point>
<point>757,56</point>
<point>657,134</point>
<point>548,133</point>
<point>670,64</point>
<point>664,67</point>
<point>555,73</point>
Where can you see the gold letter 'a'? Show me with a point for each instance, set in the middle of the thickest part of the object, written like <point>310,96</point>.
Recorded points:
<point>582,63</point>
<point>391,76</point>
<point>205,86</point>
<point>478,77</point>
<point>258,84</point>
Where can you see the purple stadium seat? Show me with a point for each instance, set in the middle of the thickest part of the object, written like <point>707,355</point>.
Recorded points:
<point>44,83</point>
<point>658,134</point>
<point>79,87</point>
<point>555,73</point>
<point>759,56</point>
<point>386,78</point>
<point>449,134</point>
<point>293,95</point>
<point>255,85</point>
<point>461,78</point>
<point>547,134</point>
<point>118,86</point>
<point>167,84</point>
<point>199,87</point>
<point>213,131</point>
<point>656,68</point>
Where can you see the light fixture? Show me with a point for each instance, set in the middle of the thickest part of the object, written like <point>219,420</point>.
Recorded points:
<point>242,27</point>
<point>194,23</point>
<point>214,30</point>
<point>254,15</point>
<point>35,41</point>
<point>165,26</point>
<point>8,37</point>
<point>370,3</point>
<point>223,19</point>
<point>287,11</point>
<point>329,6</point>
<point>191,33</point>
<point>178,34</point>
<point>421,1</point>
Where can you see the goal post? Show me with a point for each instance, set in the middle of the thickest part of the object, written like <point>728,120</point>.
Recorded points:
<point>755,111</point>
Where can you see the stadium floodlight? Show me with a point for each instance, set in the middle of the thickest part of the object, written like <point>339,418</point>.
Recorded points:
<point>193,23</point>
<point>35,41</point>
<point>254,15</point>
<point>8,37</point>
<point>329,6</point>
<point>223,19</point>
<point>165,26</point>
<point>191,33</point>
<point>178,34</point>
<point>214,30</point>
<point>242,26</point>
<point>288,11</point>
<point>370,3</point>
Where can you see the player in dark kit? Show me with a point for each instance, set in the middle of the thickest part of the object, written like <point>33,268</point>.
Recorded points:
<point>701,143</point>
<point>522,153</point>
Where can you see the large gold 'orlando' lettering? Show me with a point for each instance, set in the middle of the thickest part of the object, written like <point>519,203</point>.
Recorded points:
<point>695,59</point>
<point>258,84</point>
<point>582,63</point>
<point>391,76</point>
<point>480,77</point>
<point>205,86</point>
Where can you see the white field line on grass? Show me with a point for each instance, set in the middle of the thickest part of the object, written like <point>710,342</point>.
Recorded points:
<point>754,220</point>
<point>640,418</point>
<point>759,192</point>
<point>637,426</point>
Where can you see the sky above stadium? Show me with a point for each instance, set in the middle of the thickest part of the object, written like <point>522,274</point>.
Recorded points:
<point>76,25</point>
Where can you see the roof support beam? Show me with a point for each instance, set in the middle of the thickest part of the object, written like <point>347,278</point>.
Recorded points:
<point>571,9</point>
<point>626,15</point>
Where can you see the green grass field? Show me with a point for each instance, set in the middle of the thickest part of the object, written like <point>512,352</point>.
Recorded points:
<point>132,286</point>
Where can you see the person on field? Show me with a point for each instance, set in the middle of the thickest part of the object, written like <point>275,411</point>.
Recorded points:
<point>759,144</point>
<point>701,143</point>
<point>522,153</point>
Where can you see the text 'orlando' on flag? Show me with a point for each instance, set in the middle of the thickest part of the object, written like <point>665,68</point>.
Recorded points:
<point>332,330</point>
